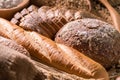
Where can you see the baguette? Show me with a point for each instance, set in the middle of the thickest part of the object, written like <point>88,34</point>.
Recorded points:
<point>13,45</point>
<point>54,54</point>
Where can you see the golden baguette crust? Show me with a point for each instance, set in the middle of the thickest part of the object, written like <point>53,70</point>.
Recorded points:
<point>57,55</point>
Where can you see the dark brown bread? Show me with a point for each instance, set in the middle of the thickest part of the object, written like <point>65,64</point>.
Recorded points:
<point>13,45</point>
<point>54,54</point>
<point>48,20</point>
<point>94,38</point>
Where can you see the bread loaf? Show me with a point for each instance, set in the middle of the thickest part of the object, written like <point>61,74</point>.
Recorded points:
<point>94,38</point>
<point>22,13</point>
<point>48,20</point>
<point>54,54</point>
<point>13,45</point>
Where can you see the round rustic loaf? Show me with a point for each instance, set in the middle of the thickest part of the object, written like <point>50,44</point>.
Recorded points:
<point>95,38</point>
